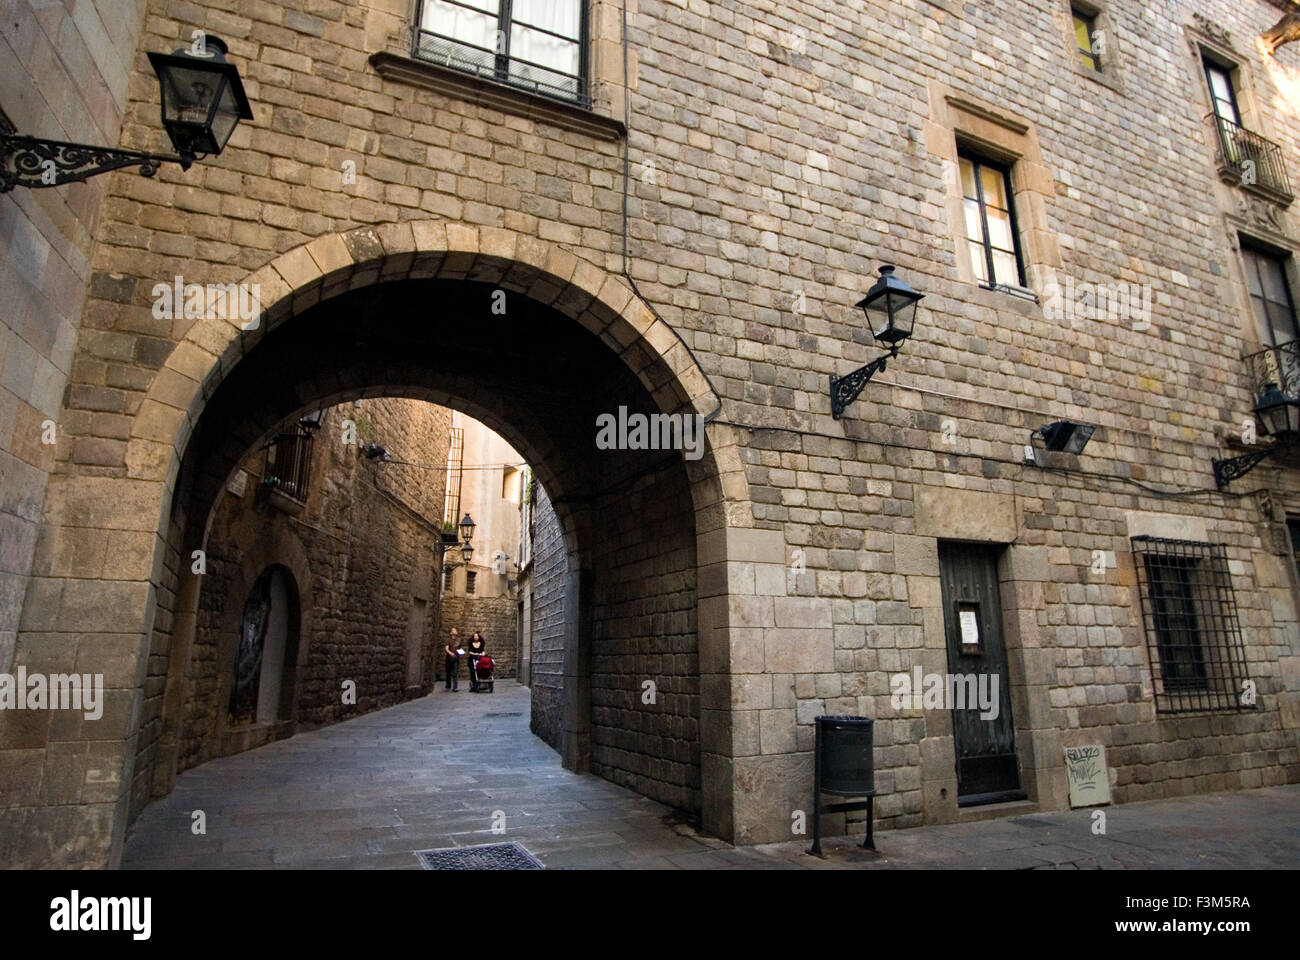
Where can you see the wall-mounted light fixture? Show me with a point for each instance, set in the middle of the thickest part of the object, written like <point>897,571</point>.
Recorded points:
<point>1066,436</point>
<point>890,306</point>
<point>374,452</point>
<point>203,101</point>
<point>466,545</point>
<point>1278,415</point>
<point>1063,436</point>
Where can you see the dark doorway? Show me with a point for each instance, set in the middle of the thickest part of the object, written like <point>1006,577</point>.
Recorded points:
<point>984,736</point>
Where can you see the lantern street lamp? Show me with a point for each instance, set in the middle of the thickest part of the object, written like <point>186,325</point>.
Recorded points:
<point>1278,415</point>
<point>890,307</point>
<point>467,528</point>
<point>203,101</point>
<point>467,551</point>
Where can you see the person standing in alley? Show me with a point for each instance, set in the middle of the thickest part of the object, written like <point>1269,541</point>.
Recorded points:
<point>452,649</point>
<point>476,649</point>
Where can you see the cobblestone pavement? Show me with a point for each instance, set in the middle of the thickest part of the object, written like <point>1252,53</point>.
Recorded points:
<point>433,772</point>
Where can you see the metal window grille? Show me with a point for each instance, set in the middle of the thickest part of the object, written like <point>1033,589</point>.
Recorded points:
<point>1189,613</point>
<point>455,472</point>
<point>497,62</point>
<point>288,462</point>
<point>470,578</point>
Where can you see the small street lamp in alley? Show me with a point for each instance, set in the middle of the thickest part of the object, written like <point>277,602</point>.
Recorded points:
<point>466,536</point>
<point>890,306</point>
<point>203,101</point>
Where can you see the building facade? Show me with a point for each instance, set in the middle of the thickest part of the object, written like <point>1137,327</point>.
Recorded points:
<point>485,481</point>
<point>672,209</point>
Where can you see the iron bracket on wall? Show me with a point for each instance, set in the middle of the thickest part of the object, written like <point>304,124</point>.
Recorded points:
<point>845,389</point>
<point>1225,471</point>
<point>32,162</point>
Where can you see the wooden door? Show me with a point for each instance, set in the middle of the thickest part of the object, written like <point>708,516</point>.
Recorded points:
<point>984,735</point>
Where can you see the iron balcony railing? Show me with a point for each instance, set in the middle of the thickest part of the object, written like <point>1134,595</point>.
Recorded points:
<point>288,463</point>
<point>1278,365</point>
<point>512,71</point>
<point>1250,160</point>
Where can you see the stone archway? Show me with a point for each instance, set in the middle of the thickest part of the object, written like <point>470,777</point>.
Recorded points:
<point>133,505</point>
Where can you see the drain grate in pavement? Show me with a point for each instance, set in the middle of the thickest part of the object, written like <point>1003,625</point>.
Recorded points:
<point>488,856</point>
<point>519,713</point>
<point>1030,822</point>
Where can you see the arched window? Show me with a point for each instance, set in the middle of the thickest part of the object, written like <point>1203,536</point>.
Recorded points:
<point>262,687</point>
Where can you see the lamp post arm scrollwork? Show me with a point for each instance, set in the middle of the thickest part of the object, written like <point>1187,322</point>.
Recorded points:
<point>32,162</point>
<point>1225,471</point>
<point>845,389</point>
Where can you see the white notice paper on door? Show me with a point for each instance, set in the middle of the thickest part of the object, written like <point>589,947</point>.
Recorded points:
<point>970,629</point>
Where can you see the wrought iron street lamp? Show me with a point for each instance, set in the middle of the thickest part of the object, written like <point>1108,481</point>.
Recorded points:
<point>467,551</point>
<point>890,306</point>
<point>467,528</point>
<point>1278,415</point>
<point>203,101</point>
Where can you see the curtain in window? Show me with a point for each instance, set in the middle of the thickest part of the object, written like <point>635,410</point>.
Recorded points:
<point>474,22</point>
<point>557,16</point>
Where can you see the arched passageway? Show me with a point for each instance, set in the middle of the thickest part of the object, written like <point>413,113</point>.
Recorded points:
<point>541,381</point>
<point>407,310</point>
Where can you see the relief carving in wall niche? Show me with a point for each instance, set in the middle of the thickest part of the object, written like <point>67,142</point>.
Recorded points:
<point>1212,29</point>
<point>1259,213</point>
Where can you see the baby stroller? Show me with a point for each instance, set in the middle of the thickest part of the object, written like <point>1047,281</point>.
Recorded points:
<point>480,674</point>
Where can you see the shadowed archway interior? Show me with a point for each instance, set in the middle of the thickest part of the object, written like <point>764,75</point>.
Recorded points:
<point>540,381</point>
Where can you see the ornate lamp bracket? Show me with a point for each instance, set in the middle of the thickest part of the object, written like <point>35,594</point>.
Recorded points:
<point>1225,471</point>
<point>31,162</point>
<point>845,389</point>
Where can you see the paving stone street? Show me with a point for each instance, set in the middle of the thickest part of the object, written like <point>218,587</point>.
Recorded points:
<point>433,772</point>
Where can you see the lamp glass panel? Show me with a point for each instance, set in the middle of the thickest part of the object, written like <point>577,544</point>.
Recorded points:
<point>188,94</point>
<point>1079,436</point>
<point>226,117</point>
<point>903,311</point>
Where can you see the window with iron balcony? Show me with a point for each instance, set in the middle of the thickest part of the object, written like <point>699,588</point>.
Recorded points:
<point>1245,158</point>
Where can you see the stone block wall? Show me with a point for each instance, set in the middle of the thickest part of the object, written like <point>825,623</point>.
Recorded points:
<point>550,565</point>
<point>494,617</point>
<point>63,76</point>
<point>365,549</point>
<point>793,149</point>
<point>644,662</point>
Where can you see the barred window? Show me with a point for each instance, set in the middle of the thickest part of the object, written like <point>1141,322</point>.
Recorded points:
<point>288,462</point>
<point>471,578</point>
<point>540,45</point>
<point>1189,613</point>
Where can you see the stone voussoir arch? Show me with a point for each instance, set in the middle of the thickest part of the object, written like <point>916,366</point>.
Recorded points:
<point>332,264</point>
